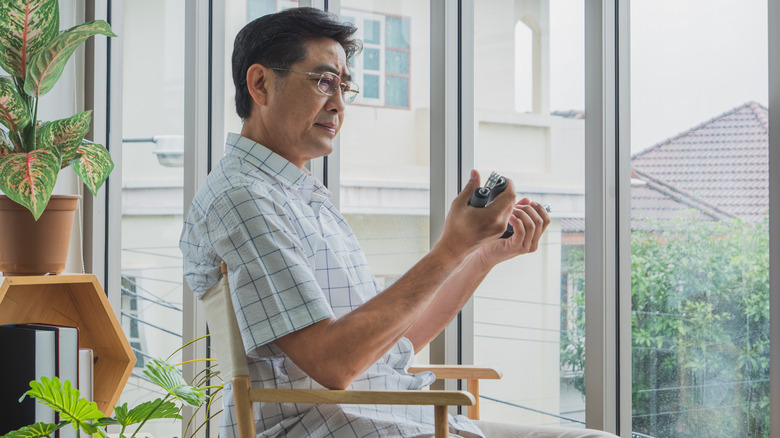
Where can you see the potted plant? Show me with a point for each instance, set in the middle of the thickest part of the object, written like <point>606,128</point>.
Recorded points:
<point>85,417</point>
<point>32,152</point>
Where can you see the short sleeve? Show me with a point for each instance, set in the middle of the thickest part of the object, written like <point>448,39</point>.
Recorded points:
<point>273,286</point>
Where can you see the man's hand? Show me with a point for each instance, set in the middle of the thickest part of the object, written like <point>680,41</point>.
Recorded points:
<point>468,228</point>
<point>529,220</point>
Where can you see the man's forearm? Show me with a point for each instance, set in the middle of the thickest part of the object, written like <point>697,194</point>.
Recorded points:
<point>335,351</point>
<point>453,294</point>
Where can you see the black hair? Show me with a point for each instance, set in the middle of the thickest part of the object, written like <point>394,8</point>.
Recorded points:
<point>279,40</point>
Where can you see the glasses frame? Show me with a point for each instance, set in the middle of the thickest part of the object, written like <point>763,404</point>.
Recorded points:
<point>349,89</point>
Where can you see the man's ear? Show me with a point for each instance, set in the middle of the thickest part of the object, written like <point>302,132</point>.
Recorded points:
<point>257,81</point>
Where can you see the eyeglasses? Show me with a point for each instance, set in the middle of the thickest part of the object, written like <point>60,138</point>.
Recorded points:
<point>329,82</point>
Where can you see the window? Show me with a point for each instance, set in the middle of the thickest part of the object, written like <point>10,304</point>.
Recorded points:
<point>383,70</point>
<point>528,311</point>
<point>152,189</point>
<point>130,319</point>
<point>699,216</point>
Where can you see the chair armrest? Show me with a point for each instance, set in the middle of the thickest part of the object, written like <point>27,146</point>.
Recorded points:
<point>333,396</point>
<point>470,373</point>
<point>459,371</point>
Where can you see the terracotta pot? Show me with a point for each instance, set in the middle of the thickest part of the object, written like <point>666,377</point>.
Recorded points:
<point>30,247</point>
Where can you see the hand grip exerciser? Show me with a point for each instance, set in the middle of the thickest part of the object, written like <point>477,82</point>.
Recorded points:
<point>484,195</point>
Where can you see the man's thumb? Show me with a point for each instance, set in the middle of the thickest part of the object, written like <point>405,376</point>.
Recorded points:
<point>472,183</point>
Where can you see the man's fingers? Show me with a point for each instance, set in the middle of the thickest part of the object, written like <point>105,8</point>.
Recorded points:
<point>505,200</point>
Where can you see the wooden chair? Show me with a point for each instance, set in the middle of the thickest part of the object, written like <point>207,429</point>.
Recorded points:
<point>229,350</point>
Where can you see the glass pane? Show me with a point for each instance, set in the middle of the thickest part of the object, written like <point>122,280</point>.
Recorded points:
<point>398,29</point>
<point>370,87</point>
<point>528,313</point>
<point>371,59</point>
<point>397,62</point>
<point>385,153</point>
<point>699,206</point>
<point>371,30</point>
<point>397,89</point>
<point>258,8</point>
<point>152,181</point>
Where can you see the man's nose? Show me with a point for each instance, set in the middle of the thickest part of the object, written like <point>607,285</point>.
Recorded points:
<point>336,102</point>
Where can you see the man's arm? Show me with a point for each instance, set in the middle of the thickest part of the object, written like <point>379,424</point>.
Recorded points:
<point>335,351</point>
<point>529,222</point>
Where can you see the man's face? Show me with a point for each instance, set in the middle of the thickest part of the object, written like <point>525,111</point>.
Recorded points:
<point>301,121</point>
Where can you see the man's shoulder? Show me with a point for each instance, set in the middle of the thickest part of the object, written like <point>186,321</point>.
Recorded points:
<point>229,181</point>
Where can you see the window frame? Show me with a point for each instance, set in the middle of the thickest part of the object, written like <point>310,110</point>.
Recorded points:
<point>773,13</point>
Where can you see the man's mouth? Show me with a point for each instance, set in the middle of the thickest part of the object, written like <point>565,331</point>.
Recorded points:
<point>327,126</point>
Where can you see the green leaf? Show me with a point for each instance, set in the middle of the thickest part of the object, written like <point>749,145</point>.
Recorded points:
<point>37,430</point>
<point>13,111</point>
<point>6,145</point>
<point>66,399</point>
<point>46,66</point>
<point>28,178</point>
<point>67,134</point>
<point>25,27</point>
<point>92,164</point>
<point>170,379</point>
<point>150,410</point>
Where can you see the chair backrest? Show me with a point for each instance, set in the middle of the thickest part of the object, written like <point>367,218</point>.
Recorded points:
<point>226,339</point>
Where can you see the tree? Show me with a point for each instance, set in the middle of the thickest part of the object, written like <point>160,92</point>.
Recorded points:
<point>700,322</point>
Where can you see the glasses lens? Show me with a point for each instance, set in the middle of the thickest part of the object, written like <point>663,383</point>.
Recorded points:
<point>329,83</point>
<point>350,91</point>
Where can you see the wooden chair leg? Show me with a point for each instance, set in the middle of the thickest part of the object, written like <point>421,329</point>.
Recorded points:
<point>441,420</point>
<point>472,386</point>
<point>244,412</point>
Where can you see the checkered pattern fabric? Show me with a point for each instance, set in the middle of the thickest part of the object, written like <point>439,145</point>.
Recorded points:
<point>293,260</point>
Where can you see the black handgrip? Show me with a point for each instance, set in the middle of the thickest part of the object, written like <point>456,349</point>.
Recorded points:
<point>480,198</point>
<point>485,195</point>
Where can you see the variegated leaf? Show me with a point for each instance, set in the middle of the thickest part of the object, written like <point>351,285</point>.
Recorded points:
<point>93,165</point>
<point>29,178</point>
<point>13,110</point>
<point>6,145</point>
<point>25,27</point>
<point>46,66</point>
<point>65,134</point>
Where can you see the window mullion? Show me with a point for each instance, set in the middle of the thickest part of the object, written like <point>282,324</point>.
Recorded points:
<point>774,216</point>
<point>196,159</point>
<point>607,216</point>
<point>446,169</point>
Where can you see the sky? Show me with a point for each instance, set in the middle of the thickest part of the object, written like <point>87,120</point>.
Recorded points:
<point>691,60</point>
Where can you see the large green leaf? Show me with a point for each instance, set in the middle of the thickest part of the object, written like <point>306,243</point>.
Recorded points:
<point>66,399</point>
<point>65,134</point>
<point>37,430</point>
<point>13,110</point>
<point>150,410</point>
<point>46,66</point>
<point>28,178</point>
<point>92,164</point>
<point>25,27</point>
<point>170,379</point>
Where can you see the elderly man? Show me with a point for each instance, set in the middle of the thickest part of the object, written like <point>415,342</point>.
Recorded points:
<point>310,312</point>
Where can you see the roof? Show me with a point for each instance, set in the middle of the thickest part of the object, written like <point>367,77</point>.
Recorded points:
<point>722,162</point>
<point>716,170</point>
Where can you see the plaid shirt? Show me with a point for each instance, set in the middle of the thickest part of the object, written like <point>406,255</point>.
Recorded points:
<point>293,261</point>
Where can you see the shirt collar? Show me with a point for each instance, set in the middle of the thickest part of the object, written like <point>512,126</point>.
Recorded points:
<point>273,164</point>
